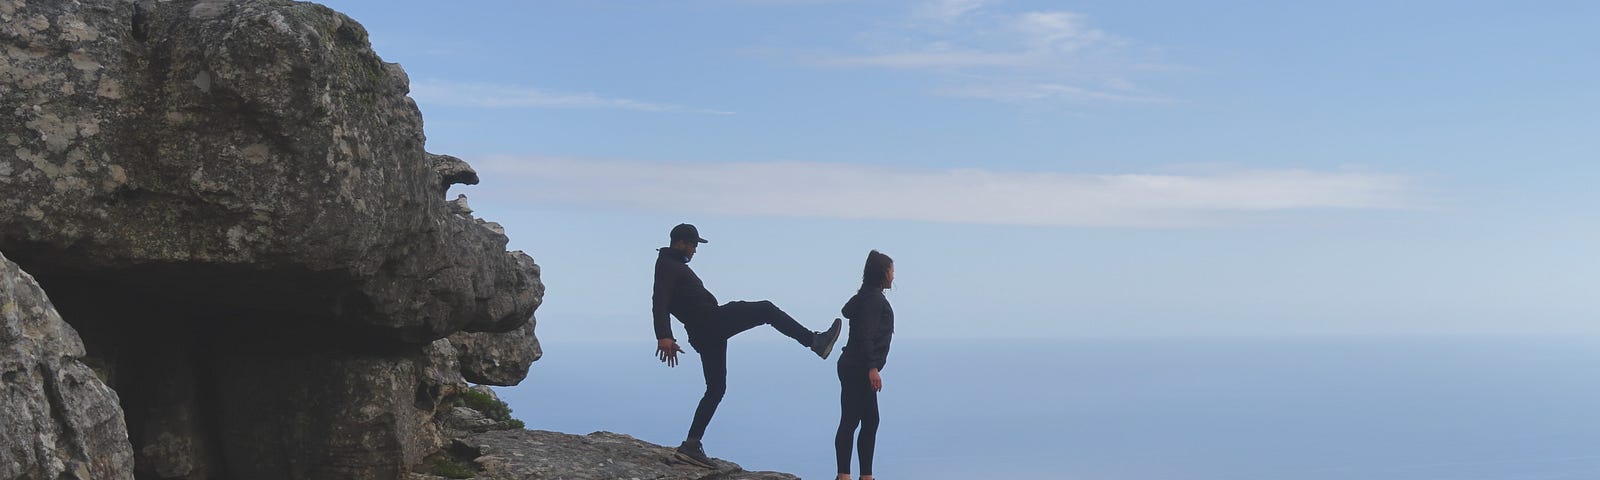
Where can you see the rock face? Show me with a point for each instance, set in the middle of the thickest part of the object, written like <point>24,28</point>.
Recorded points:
<point>540,455</point>
<point>59,420</point>
<point>231,202</point>
<point>497,358</point>
<point>199,139</point>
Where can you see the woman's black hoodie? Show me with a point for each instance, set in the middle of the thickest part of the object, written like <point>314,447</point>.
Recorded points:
<point>871,329</point>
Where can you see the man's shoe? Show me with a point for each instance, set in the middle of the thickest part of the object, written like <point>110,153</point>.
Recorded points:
<point>691,453</point>
<point>823,344</point>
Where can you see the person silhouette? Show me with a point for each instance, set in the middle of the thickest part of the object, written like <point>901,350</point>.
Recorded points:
<point>680,293</point>
<point>863,356</point>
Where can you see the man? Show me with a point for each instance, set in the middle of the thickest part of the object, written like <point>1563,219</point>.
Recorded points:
<point>678,291</point>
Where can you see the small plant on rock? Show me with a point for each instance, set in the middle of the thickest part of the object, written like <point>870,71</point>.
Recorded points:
<point>448,467</point>
<point>493,408</point>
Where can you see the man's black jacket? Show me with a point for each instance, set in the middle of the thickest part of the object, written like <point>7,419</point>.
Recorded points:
<point>678,291</point>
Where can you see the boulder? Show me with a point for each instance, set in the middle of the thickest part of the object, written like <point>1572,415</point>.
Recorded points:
<point>497,358</point>
<point>59,419</point>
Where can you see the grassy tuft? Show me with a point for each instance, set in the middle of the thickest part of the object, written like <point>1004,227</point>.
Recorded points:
<point>491,407</point>
<point>448,467</point>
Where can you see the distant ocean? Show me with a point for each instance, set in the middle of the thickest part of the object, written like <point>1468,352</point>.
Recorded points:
<point>1302,408</point>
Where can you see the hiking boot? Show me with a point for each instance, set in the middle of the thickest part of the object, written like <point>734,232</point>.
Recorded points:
<point>823,343</point>
<point>691,453</point>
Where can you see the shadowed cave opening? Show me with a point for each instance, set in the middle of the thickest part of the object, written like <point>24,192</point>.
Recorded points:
<point>208,360</point>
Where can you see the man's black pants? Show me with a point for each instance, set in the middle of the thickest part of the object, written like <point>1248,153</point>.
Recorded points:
<point>709,336</point>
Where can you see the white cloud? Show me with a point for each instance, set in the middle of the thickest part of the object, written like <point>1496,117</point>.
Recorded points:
<point>1047,91</point>
<point>949,10</point>
<point>932,59</point>
<point>801,189</point>
<point>1008,56</point>
<point>1063,32</point>
<point>482,95</point>
<point>786,2</point>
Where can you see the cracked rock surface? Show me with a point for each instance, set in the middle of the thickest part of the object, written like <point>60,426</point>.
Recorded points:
<point>59,420</point>
<point>543,455</point>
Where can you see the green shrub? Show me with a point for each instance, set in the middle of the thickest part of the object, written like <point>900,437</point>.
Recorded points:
<point>448,467</point>
<point>492,408</point>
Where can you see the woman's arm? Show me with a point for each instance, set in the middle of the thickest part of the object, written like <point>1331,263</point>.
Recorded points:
<point>882,335</point>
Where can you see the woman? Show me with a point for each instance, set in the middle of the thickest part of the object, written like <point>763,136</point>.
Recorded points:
<point>871,326</point>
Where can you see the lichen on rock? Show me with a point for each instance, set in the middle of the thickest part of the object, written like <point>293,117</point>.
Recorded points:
<point>59,419</point>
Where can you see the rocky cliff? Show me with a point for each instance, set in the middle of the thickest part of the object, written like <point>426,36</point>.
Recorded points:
<point>231,205</point>
<point>225,253</point>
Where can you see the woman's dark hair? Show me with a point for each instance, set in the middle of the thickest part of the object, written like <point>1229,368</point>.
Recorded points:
<point>876,274</point>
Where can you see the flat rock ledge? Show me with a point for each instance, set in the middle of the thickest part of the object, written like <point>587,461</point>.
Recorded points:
<point>542,455</point>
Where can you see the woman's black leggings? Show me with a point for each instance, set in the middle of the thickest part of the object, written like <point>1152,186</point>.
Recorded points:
<point>858,405</point>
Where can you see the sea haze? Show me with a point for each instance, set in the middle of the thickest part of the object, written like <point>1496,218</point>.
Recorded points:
<point>1302,408</point>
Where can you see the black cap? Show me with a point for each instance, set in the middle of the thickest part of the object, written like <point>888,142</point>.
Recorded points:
<point>687,232</point>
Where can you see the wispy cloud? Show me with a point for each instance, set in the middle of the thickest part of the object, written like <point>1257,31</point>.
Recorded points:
<point>932,58</point>
<point>482,95</point>
<point>949,10</point>
<point>1046,91</point>
<point>981,52</point>
<point>802,189</point>
<point>785,2</point>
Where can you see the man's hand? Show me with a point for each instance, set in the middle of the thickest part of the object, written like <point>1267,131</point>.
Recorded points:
<point>877,381</point>
<point>667,350</point>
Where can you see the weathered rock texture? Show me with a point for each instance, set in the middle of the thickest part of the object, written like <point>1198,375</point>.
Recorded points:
<point>231,203</point>
<point>540,455</point>
<point>497,358</point>
<point>201,139</point>
<point>58,419</point>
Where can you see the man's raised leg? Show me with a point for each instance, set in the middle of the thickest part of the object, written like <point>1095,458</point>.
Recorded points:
<point>736,317</point>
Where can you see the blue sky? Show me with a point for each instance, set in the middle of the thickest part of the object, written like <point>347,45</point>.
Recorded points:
<point>1037,169</point>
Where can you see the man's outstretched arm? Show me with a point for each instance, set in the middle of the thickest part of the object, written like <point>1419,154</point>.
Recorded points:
<point>667,348</point>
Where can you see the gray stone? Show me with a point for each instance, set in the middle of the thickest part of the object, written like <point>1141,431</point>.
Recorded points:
<point>452,170</point>
<point>59,419</point>
<point>461,421</point>
<point>265,136</point>
<point>347,416</point>
<point>497,358</point>
<point>459,206</point>
<point>231,202</point>
<point>541,455</point>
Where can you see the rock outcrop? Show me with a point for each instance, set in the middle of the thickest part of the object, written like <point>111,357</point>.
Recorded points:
<point>231,203</point>
<point>213,140</point>
<point>253,271</point>
<point>59,419</point>
<point>497,358</point>
<point>540,455</point>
